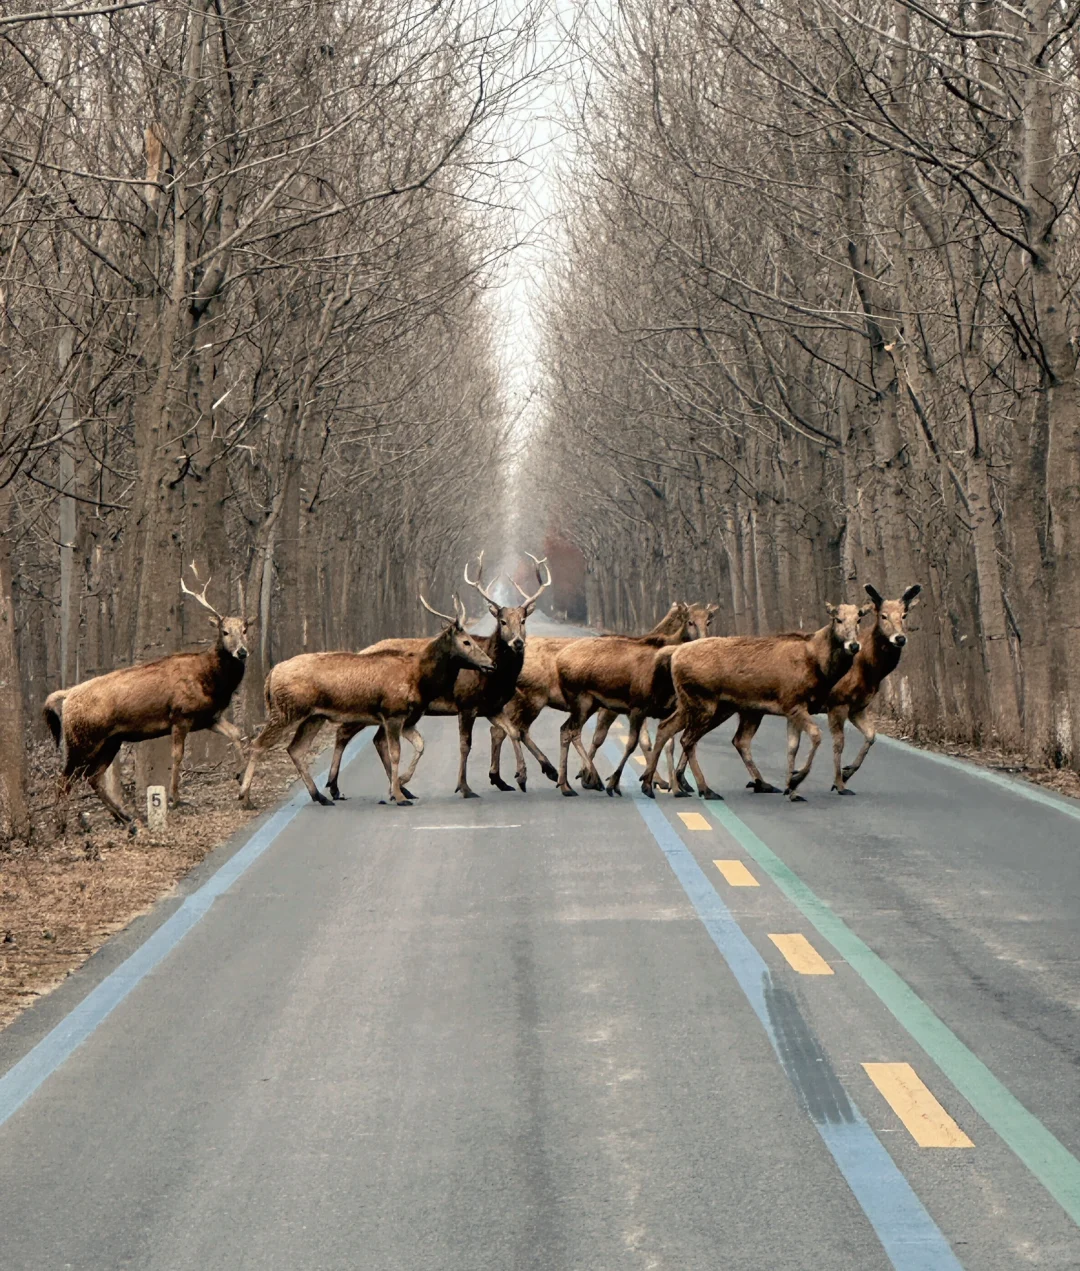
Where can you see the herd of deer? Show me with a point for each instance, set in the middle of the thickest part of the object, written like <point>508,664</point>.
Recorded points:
<point>676,673</point>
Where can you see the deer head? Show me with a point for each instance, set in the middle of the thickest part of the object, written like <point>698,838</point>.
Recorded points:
<point>845,626</point>
<point>231,631</point>
<point>890,614</point>
<point>463,647</point>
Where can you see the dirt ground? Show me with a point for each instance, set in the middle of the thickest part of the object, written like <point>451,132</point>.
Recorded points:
<point>61,898</point>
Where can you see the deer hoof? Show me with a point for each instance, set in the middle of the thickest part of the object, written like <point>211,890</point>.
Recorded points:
<point>569,792</point>
<point>407,792</point>
<point>548,772</point>
<point>319,797</point>
<point>682,793</point>
<point>795,798</point>
<point>520,784</point>
<point>761,787</point>
<point>499,783</point>
<point>647,789</point>
<point>709,793</point>
<point>613,790</point>
<point>467,793</point>
<point>843,790</point>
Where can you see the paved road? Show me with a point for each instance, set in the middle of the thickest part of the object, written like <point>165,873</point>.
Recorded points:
<point>530,1032</point>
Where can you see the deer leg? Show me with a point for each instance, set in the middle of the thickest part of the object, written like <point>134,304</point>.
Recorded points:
<point>666,731</point>
<point>799,722</point>
<point>344,734</point>
<point>179,736</point>
<point>502,726</point>
<point>646,750</point>
<point>636,719</point>
<point>393,742</point>
<point>862,721</point>
<point>546,766</point>
<point>749,723</point>
<point>412,736</point>
<point>836,726</point>
<point>227,729</point>
<point>571,732</point>
<point>591,780</point>
<point>498,736</point>
<point>465,727</point>
<point>63,794</point>
<point>604,720</point>
<point>95,772</point>
<point>709,716</point>
<point>298,750</point>
<point>271,734</point>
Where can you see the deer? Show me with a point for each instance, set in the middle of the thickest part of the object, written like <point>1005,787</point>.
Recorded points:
<point>387,688</point>
<point>703,616</point>
<point>178,694</point>
<point>624,674</point>
<point>537,688</point>
<point>791,674</point>
<point>473,694</point>
<point>852,696</point>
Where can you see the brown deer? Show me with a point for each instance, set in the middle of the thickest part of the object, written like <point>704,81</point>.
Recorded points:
<point>851,697</point>
<point>790,675</point>
<point>537,688</point>
<point>703,616</point>
<point>626,674</point>
<point>179,694</point>
<point>387,688</point>
<point>473,694</point>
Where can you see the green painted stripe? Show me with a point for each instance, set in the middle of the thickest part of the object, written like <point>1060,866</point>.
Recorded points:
<point>1048,1159</point>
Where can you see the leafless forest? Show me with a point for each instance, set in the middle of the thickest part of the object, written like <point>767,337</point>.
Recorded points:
<point>812,324</point>
<point>808,322</point>
<point>243,250</point>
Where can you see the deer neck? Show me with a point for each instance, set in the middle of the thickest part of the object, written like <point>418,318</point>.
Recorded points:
<point>828,653</point>
<point>438,667</point>
<point>881,655</point>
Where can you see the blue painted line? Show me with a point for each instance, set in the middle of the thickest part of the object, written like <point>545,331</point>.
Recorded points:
<point>35,1067</point>
<point>911,1239</point>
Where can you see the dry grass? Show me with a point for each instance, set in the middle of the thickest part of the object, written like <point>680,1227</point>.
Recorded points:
<point>60,899</point>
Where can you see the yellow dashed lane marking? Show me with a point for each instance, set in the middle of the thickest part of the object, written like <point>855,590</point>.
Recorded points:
<point>736,874</point>
<point>640,759</point>
<point>927,1121</point>
<point>694,821</point>
<point>801,955</point>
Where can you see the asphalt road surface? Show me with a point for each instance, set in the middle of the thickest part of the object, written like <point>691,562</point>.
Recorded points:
<point>525,1031</point>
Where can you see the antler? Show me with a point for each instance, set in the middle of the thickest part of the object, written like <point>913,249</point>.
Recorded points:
<point>479,583</point>
<point>458,607</point>
<point>200,596</point>
<point>544,585</point>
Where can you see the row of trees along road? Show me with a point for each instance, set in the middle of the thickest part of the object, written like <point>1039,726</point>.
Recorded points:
<point>814,324</point>
<point>242,251</point>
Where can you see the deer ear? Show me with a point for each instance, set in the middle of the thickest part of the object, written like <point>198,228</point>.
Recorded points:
<point>530,608</point>
<point>909,596</point>
<point>712,608</point>
<point>874,595</point>
<point>865,609</point>
<point>494,610</point>
<point>215,621</point>
<point>831,609</point>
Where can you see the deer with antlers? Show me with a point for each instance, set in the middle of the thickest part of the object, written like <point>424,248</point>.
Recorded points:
<point>386,688</point>
<point>179,694</point>
<point>538,687</point>
<point>474,695</point>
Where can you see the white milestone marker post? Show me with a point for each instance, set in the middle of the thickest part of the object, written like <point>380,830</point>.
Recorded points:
<point>157,807</point>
